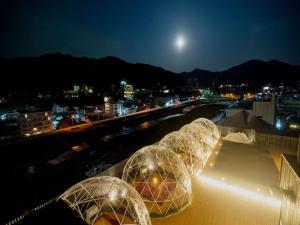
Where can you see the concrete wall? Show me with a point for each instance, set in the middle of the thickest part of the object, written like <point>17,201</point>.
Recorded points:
<point>266,110</point>
<point>232,112</point>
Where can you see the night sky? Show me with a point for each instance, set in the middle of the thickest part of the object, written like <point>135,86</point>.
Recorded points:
<point>218,33</point>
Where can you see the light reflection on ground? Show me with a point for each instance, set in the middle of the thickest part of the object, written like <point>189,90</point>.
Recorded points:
<point>240,191</point>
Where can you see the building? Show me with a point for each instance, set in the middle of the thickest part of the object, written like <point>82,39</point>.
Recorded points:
<point>113,108</point>
<point>108,109</point>
<point>118,108</point>
<point>265,110</point>
<point>78,91</point>
<point>56,109</point>
<point>161,101</point>
<point>32,123</point>
<point>128,91</point>
<point>289,105</point>
<point>8,116</point>
<point>76,88</point>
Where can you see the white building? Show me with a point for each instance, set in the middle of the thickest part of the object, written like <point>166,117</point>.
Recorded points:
<point>265,110</point>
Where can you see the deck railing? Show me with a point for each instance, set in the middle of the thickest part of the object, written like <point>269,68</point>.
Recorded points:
<point>288,144</point>
<point>290,186</point>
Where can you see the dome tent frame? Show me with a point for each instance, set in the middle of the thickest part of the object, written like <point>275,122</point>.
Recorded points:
<point>161,178</point>
<point>210,126</point>
<point>109,197</point>
<point>188,149</point>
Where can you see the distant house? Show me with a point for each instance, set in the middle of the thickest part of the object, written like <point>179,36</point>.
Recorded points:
<point>37,122</point>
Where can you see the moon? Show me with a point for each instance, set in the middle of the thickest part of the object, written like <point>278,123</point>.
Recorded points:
<point>180,42</point>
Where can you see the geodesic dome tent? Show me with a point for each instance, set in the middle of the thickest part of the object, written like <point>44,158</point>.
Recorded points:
<point>107,200</point>
<point>161,178</point>
<point>211,127</point>
<point>187,148</point>
<point>194,131</point>
<point>206,135</point>
<point>201,135</point>
<point>208,139</point>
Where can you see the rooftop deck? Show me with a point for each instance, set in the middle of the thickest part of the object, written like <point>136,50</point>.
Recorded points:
<point>239,186</point>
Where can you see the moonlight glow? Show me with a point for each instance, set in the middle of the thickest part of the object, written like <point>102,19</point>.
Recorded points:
<point>180,42</point>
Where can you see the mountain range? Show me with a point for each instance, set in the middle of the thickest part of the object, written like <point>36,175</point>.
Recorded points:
<point>56,71</point>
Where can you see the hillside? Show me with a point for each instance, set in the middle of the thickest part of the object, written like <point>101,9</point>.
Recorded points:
<point>57,71</point>
<point>252,71</point>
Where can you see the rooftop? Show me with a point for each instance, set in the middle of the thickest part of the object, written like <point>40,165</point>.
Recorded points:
<point>238,185</point>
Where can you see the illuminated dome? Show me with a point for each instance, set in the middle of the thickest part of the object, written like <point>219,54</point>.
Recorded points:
<point>210,126</point>
<point>194,131</point>
<point>107,200</point>
<point>209,141</point>
<point>201,135</point>
<point>161,178</point>
<point>188,149</point>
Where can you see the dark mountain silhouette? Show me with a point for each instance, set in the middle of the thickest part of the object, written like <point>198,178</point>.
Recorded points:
<point>57,71</point>
<point>252,71</point>
<point>204,77</point>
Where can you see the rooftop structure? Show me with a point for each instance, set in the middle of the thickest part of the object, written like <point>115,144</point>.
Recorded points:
<point>238,184</point>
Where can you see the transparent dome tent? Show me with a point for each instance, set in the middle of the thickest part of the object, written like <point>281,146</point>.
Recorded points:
<point>161,178</point>
<point>210,126</point>
<point>107,200</point>
<point>201,134</point>
<point>187,148</point>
